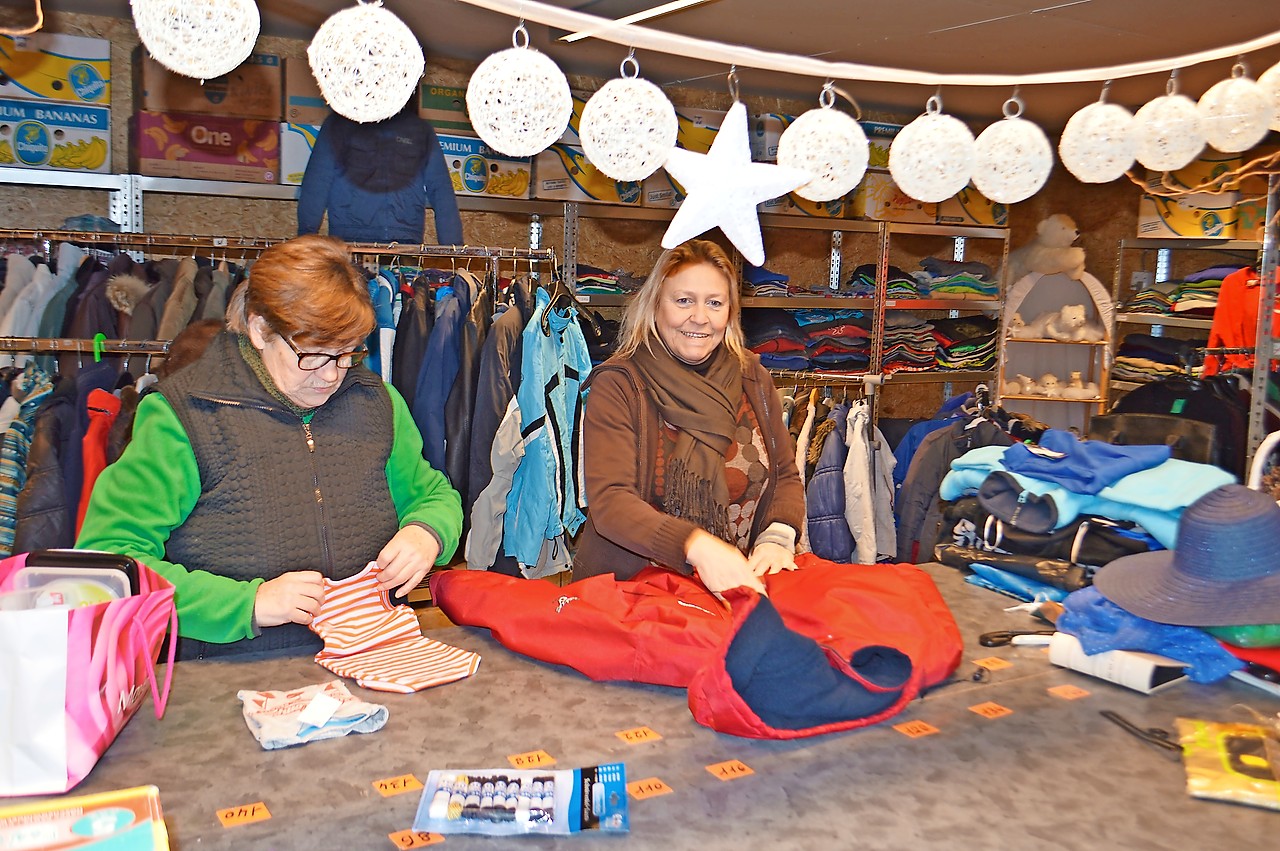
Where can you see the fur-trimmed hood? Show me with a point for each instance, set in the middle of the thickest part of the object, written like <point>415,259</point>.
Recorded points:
<point>125,291</point>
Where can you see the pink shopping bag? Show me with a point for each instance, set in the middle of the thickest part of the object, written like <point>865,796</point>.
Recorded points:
<point>70,678</point>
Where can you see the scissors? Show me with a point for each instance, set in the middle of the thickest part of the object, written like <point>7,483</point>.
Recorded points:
<point>1012,636</point>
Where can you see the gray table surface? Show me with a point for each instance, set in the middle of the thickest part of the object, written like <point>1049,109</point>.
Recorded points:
<point>1053,774</point>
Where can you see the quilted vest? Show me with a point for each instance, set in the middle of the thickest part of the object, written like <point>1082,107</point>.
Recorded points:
<point>269,505</point>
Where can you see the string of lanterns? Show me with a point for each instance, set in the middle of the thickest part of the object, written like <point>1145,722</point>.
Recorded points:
<point>367,63</point>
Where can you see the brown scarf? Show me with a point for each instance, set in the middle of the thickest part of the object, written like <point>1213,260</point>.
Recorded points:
<point>704,408</point>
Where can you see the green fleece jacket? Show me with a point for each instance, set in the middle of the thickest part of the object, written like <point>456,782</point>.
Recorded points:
<point>150,490</point>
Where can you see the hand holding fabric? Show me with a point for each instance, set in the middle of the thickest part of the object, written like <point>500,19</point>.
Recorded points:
<point>292,597</point>
<point>719,564</point>
<point>406,558</point>
<point>768,558</point>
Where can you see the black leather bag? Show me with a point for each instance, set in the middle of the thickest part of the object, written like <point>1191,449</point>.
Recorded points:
<point>1051,571</point>
<point>1087,540</point>
<point>1190,440</point>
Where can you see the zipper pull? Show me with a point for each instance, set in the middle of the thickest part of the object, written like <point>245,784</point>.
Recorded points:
<point>311,441</point>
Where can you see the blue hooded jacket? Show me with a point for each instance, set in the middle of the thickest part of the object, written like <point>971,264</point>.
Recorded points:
<point>376,181</point>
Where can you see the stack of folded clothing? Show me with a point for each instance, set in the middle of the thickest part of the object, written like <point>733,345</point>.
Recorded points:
<point>909,344</point>
<point>761,282</point>
<point>1143,358</point>
<point>902,285</point>
<point>861,282</point>
<point>958,279</point>
<point>776,337</point>
<point>966,342</point>
<point>840,342</point>
<point>594,281</point>
<point>1156,299</point>
<point>1197,293</point>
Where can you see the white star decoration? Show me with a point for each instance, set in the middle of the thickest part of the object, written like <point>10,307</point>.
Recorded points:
<point>723,186</point>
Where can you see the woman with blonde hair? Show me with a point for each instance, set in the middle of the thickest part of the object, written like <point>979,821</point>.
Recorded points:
<point>276,461</point>
<point>686,460</point>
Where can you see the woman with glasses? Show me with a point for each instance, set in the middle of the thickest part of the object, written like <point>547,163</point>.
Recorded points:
<point>275,461</point>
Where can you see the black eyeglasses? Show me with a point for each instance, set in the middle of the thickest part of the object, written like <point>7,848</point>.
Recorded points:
<point>311,361</point>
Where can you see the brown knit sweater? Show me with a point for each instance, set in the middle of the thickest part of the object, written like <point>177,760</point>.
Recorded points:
<point>620,432</point>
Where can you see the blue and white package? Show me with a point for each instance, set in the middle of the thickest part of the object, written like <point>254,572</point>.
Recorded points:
<point>504,802</point>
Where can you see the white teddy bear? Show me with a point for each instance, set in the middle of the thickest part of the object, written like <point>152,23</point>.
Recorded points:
<point>1077,388</point>
<point>1028,385</point>
<point>1070,323</point>
<point>1050,251</point>
<point>1050,386</point>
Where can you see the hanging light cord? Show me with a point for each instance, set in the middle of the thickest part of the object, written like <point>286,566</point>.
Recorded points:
<point>631,35</point>
<point>29,30</point>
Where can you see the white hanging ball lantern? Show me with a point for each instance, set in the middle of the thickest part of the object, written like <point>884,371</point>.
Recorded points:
<point>628,127</point>
<point>1012,158</point>
<point>1234,114</point>
<point>366,61</point>
<point>931,159</point>
<point>1097,145</point>
<point>518,99</point>
<point>1270,83</point>
<point>827,143</point>
<point>1167,131</point>
<point>197,38</point>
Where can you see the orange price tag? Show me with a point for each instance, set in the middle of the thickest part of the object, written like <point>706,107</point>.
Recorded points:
<point>397,785</point>
<point>638,735</point>
<point>650,787</point>
<point>243,814</point>
<point>915,729</point>
<point>991,710</point>
<point>993,663</point>
<point>414,839</point>
<point>532,759</point>
<point>1068,692</point>
<point>730,769</point>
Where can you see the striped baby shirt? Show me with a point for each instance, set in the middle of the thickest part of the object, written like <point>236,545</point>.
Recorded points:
<point>381,646</point>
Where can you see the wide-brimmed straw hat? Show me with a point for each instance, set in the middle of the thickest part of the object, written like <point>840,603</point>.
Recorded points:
<point>1224,571</point>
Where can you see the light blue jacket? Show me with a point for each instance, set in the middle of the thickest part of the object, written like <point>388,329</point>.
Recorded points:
<point>547,495</point>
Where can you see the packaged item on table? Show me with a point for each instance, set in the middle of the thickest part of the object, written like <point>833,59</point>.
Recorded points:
<point>280,719</point>
<point>121,820</point>
<point>1231,761</point>
<point>502,802</point>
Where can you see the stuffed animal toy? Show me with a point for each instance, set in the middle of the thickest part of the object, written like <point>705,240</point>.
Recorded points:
<point>1028,385</point>
<point>1050,386</point>
<point>1011,387</point>
<point>1077,388</point>
<point>1070,323</point>
<point>1050,251</point>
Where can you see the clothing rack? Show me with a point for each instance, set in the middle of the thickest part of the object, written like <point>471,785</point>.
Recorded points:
<point>83,346</point>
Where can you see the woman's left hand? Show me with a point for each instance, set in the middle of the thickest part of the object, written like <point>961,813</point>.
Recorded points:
<point>406,559</point>
<point>767,559</point>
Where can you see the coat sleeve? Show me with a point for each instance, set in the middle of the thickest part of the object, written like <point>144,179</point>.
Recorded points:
<point>313,194</point>
<point>439,188</point>
<point>787,505</point>
<point>140,499</point>
<point>611,441</point>
<point>421,493</point>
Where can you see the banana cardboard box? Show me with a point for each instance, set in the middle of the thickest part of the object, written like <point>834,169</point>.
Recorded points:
<point>969,207</point>
<point>253,89</point>
<point>59,136</point>
<point>792,204</point>
<point>1197,215</point>
<point>877,197</point>
<point>206,147</point>
<point>660,189</point>
<point>477,169</point>
<point>303,103</point>
<point>48,66</point>
<point>296,144</point>
<point>563,173</point>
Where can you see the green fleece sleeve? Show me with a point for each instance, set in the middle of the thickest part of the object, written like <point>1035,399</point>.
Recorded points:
<point>145,495</point>
<point>421,493</point>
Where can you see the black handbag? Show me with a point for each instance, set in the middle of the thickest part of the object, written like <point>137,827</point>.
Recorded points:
<point>1190,440</point>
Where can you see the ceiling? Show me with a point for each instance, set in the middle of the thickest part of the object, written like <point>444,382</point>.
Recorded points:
<point>939,36</point>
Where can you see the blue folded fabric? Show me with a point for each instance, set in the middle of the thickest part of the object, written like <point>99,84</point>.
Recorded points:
<point>1101,625</point>
<point>788,682</point>
<point>1019,587</point>
<point>1081,466</point>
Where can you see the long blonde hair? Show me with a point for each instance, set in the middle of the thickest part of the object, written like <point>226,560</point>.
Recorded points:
<point>639,321</point>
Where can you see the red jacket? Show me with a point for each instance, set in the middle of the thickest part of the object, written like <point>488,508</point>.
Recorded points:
<point>665,628</point>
